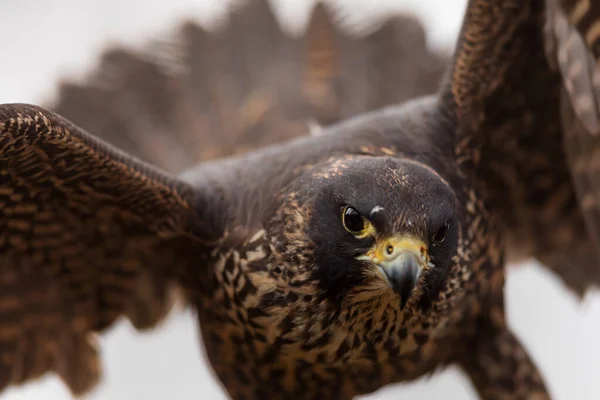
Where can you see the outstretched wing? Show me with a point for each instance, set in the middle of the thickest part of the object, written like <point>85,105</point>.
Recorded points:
<point>250,83</point>
<point>575,48</point>
<point>505,97</point>
<point>87,235</point>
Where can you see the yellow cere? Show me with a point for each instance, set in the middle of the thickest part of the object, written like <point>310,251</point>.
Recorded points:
<point>391,247</point>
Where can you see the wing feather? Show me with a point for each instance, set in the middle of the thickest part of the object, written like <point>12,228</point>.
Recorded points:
<point>576,53</point>
<point>504,95</point>
<point>87,235</point>
<point>247,83</point>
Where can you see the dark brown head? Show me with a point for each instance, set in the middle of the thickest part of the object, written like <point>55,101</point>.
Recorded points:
<point>378,224</point>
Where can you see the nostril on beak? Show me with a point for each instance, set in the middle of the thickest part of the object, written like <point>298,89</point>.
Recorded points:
<point>389,249</point>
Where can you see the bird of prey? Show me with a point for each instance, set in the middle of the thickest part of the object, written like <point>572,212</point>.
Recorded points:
<point>324,266</point>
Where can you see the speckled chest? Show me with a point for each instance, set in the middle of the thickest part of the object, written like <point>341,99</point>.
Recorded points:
<point>266,335</point>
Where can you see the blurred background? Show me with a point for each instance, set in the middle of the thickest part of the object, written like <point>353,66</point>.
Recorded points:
<point>44,41</point>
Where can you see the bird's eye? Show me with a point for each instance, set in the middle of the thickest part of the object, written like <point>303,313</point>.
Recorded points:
<point>440,235</point>
<point>355,223</point>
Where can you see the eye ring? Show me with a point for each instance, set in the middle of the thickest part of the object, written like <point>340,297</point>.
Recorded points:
<point>440,235</point>
<point>355,223</point>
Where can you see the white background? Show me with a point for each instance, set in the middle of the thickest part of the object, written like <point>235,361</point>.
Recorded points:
<point>42,41</point>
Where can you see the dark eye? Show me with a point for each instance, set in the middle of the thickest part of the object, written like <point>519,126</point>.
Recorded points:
<point>440,235</point>
<point>352,220</point>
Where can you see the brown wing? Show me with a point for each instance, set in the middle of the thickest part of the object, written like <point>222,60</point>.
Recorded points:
<point>87,235</point>
<point>505,98</point>
<point>575,34</point>
<point>583,15</point>
<point>249,83</point>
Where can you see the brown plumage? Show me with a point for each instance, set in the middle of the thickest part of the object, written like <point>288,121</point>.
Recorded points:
<point>573,36</point>
<point>325,266</point>
<point>247,84</point>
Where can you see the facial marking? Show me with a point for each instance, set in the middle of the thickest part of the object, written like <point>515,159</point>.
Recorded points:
<point>376,209</point>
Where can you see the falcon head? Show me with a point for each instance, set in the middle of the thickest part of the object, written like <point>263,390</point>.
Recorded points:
<point>381,225</point>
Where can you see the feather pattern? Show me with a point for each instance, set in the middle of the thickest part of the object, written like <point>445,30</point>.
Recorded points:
<point>247,84</point>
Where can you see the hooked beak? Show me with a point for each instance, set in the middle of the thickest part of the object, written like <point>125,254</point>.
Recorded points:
<point>402,274</point>
<point>400,262</point>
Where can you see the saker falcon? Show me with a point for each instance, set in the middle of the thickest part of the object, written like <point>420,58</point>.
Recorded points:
<point>325,266</point>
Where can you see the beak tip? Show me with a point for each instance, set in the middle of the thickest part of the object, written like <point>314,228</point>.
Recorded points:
<point>404,277</point>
